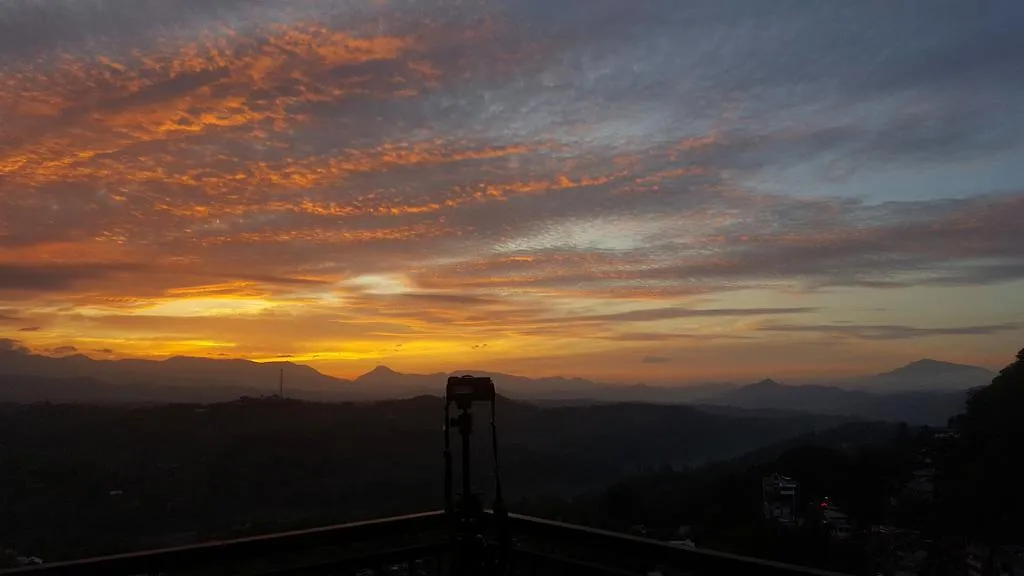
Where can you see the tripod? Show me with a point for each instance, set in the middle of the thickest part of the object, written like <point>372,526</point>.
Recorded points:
<point>471,552</point>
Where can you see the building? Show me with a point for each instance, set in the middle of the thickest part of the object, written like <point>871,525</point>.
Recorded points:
<point>838,523</point>
<point>922,487</point>
<point>779,498</point>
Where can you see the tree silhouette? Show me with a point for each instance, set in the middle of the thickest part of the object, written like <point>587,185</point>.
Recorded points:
<point>984,493</point>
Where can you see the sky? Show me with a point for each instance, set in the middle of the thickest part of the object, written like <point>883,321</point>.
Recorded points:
<point>626,190</point>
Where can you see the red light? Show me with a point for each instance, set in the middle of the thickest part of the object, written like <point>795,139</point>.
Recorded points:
<point>824,504</point>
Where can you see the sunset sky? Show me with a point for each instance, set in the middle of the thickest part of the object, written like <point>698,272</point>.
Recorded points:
<point>626,190</point>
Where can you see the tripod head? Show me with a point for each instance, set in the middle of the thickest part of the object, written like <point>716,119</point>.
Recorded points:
<point>464,390</point>
<point>470,553</point>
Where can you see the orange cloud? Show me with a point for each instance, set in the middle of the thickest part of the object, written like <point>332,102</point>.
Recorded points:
<point>89,112</point>
<point>328,236</point>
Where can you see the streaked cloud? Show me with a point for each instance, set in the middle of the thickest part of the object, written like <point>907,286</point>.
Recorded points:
<point>893,332</point>
<point>347,183</point>
<point>58,277</point>
<point>673,313</point>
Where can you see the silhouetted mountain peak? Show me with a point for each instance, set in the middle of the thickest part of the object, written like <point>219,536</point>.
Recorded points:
<point>379,373</point>
<point>929,374</point>
<point>291,369</point>
<point>766,383</point>
<point>200,362</point>
<point>927,367</point>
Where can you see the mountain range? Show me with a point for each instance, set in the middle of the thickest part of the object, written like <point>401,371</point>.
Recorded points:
<point>930,407</point>
<point>925,391</point>
<point>190,378</point>
<point>180,375</point>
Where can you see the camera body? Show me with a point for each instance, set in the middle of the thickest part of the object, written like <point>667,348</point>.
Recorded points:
<point>464,390</point>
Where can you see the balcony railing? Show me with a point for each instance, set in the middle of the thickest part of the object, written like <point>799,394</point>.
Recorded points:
<point>416,545</point>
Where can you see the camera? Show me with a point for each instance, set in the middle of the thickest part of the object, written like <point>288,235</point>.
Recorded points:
<point>464,390</point>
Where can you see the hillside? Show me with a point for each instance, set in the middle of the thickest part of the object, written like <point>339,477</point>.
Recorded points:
<point>918,499</point>
<point>138,475</point>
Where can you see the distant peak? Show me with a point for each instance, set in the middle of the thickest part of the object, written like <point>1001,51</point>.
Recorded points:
<point>929,362</point>
<point>930,366</point>
<point>380,372</point>
<point>767,383</point>
<point>180,359</point>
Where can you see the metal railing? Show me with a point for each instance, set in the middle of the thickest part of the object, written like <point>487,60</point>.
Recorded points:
<point>550,547</point>
<point>417,545</point>
<point>342,548</point>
